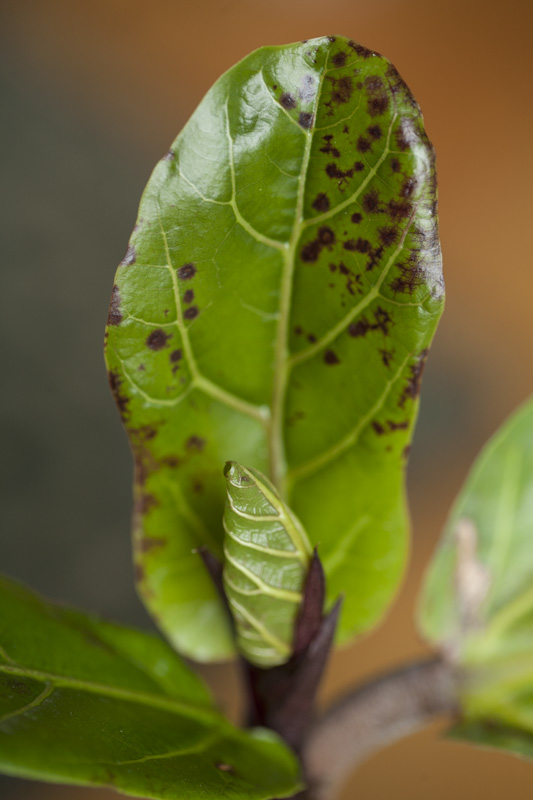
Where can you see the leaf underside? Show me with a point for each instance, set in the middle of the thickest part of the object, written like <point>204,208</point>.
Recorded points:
<point>88,702</point>
<point>494,645</point>
<point>274,307</point>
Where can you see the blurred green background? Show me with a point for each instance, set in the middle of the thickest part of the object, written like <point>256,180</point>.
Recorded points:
<point>93,92</point>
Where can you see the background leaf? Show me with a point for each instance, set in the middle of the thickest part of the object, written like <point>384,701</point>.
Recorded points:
<point>493,646</point>
<point>266,560</point>
<point>274,307</point>
<point>84,701</point>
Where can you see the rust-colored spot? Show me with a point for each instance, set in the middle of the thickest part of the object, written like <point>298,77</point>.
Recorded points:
<point>158,339</point>
<point>195,443</point>
<point>330,357</point>
<point>186,272</point>
<point>130,257</point>
<point>191,312</point>
<point>287,101</point>
<point>115,315</point>
<point>321,202</point>
<point>188,297</point>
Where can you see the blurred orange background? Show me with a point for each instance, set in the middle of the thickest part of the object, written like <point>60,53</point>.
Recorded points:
<point>93,93</point>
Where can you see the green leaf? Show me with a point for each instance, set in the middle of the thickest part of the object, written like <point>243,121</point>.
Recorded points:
<point>88,702</point>
<point>266,560</point>
<point>477,602</point>
<point>274,307</point>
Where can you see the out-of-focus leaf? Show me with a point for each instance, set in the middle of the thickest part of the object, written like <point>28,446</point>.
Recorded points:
<point>88,702</point>
<point>274,307</point>
<point>477,602</point>
<point>266,560</point>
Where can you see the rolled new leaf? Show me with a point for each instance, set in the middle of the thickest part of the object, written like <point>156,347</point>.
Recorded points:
<point>266,560</point>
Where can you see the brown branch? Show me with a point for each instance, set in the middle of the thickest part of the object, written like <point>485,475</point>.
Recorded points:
<point>373,716</point>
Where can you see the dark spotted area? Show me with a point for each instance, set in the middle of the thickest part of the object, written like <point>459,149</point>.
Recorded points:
<point>410,278</point>
<point>388,235</point>
<point>386,357</point>
<point>287,101</point>
<point>412,388</point>
<point>186,272</point>
<point>121,399</point>
<point>130,257</point>
<point>375,132</point>
<point>305,120</point>
<point>325,238</point>
<point>195,443</point>
<point>378,427</point>
<point>175,356</point>
<point>356,218</point>
<point>149,543</point>
<point>191,312</point>
<point>144,502</point>
<point>370,201</point>
<point>158,339</point>
<point>342,90</point>
<point>382,322</point>
<point>321,202</point>
<point>115,314</point>
<point>329,147</point>
<point>188,297</point>
<point>363,144</point>
<point>343,176</point>
<point>339,59</point>
<point>331,358</point>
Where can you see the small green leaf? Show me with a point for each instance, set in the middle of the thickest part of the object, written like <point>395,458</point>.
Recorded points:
<point>274,307</point>
<point>266,559</point>
<point>88,702</point>
<point>477,602</point>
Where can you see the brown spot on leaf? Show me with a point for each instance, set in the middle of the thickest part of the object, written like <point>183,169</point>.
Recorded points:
<point>378,427</point>
<point>395,165</point>
<point>188,297</point>
<point>339,59</point>
<point>321,202</point>
<point>388,235</point>
<point>148,543</point>
<point>374,131</point>
<point>130,257</point>
<point>191,312</point>
<point>145,502</point>
<point>399,209</point>
<point>329,147</point>
<point>357,218</point>
<point>341,90</point>
<point>371,201</point>
<point>398,426</point>
<point>362,52</point>
<point>115,315</point>
<point>412,388</point>
<point>363,145</point>
<point>382,322</point>
<point>377,104</point>
<point>311,251</point>
<point>410,278</point>
<point>122,400</point>
<point>326,236</point>
<point>195,443</point>
<point>408,187</point>
<point>311,338</point>
<point>176,355</point>
<point>386,357</point>
<point>305,119</point>
<point>158,339</point>
<point>287,101</point>
<point>330,357</point>
<point>186,272</point>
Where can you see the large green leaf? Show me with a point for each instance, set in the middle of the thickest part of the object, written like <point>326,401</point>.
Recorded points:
<point>88,702</point>
<point>274,307</point>
<point>477,602</point>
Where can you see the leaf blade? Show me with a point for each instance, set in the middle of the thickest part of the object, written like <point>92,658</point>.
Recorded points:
<point>299,285</point>
<point>105,705</point>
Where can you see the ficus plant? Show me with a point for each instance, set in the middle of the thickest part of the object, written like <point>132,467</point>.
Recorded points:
<point>266,339</point>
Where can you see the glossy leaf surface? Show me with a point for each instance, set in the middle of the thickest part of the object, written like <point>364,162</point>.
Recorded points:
<point>88,702</point>
<point>477,602</point>
<point>275,307</point>
<point>266,560</point>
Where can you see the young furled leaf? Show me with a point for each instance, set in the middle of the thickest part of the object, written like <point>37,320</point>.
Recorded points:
<point>275,306</point>
<point>266,560</point>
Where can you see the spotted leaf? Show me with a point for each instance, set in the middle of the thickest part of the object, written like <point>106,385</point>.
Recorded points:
<point>274,307</point>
